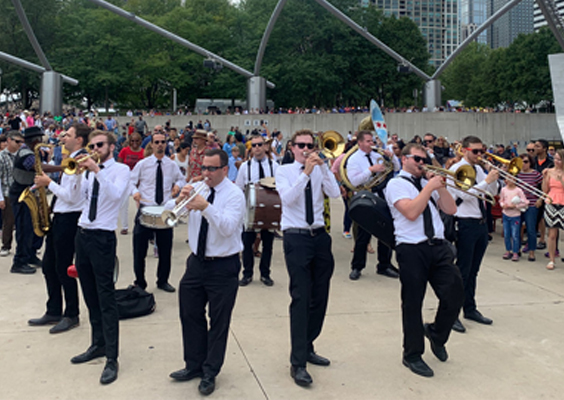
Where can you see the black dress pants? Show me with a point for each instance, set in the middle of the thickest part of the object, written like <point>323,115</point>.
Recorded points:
<point>360,247</point>
<point>419,264</point>
<point>141,237</point>
<point>213,283</point>
<point>310,265</point>
<point>471,245</point>
<point>59,254</point>
<point>267,238</point>
<point>27,242</point>
<point>95,260</point>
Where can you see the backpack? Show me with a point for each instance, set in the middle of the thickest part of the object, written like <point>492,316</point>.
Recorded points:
<point>134,302</point>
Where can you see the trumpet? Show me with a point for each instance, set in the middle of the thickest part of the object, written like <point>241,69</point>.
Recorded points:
<point>171,217</point>
<point>463,179</point>
<point>71,165</point>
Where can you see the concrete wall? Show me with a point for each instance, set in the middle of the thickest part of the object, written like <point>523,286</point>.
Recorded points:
<point>491,128</point>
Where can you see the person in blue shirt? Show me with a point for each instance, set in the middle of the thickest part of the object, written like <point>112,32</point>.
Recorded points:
<point>233,163</point>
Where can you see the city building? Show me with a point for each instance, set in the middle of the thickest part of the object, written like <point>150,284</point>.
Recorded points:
<point>539,20</point>
<point>473,13</point>
<point>516,21</point>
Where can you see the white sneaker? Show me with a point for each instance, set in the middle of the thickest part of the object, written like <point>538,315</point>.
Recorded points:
<point>4,253</point>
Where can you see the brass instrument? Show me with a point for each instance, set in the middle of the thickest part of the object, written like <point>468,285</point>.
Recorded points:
<point>514,165</point>
<point>71,165</point>
<point>332,144</point>
<point>463,179</point>
<point>36,198</point>
<point>171,217</point>
<point>376,179</point>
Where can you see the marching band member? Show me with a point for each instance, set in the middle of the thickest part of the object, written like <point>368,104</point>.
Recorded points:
<point>211,278</point>
<point>307,248</point>
<point>424,256</point>
<point>67,204</point>
<point>361,168</point>
<point>472,234</point>
<point>155,180</point>
<point>103,186</point>
<point>252,171</point>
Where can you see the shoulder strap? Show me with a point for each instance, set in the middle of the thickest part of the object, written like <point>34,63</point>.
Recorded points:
<point>431,198</point>
<point>249,170</point>
<point>270,163</point>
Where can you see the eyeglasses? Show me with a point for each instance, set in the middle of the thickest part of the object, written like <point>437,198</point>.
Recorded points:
<point>530,150</point>
<point>310,146</point>
<point>476,151</point>
<point>257,144</point>
<point>18,141</point>
<point>525,161</point>
<point>417,159</point>
<point>428,141</point>
<point>211,169</point>
<point>99,145</point>
<point>159,141</point>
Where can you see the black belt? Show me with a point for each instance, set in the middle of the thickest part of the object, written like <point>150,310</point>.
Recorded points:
<point>83,230</point>
<point>475,220</point>
<point>430,242</point>
<point>309,232</point>
<point>218,258</point>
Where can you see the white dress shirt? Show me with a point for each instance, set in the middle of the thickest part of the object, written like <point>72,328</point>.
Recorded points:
<point>243,178</point>
<point>113,180</point>
<point>470,208</point>
<point>358,164</point>
<point>144,179</point>
<point>68,193</point>
<point>225,219</point>
<point>291,183</point>
<point>406,231</point>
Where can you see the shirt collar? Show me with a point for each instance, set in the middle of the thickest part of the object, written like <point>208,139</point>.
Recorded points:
<point>109,162</point>
<point>221,184</point>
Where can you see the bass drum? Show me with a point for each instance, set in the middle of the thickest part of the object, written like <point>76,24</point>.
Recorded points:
<point>264,208</point>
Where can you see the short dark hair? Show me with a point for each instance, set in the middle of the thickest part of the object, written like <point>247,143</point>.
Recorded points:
<point>410,146</point>
<point>109,135</point>
<point>82,131</point>
<point>3,138</point>
<point>468,140</point>
<point>157,133</point>
<point>360,135</point>
<point>543,143</point>
<point>14,134</point>
<point>528,157</point>
<point>430,134</point>
<point>223,158</point>
<point>256,137</point>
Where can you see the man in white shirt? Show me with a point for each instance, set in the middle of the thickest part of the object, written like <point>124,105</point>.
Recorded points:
<point>215,225</point>
<point>155,180</point>
<point>307,248</point>
<point>252,171</point>
<point>362,166</point>
<point>424,256</point>
<point>67,205</point>
<point>103,187</point>
<point>472,234</point>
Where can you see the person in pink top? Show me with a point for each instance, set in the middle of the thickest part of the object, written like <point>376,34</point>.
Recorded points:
<point>513,201</point>
<point>554,213</point>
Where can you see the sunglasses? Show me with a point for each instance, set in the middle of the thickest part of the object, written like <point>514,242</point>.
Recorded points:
<point>525,161</point>
<point>428,141</point>
<point>211,169</point>
<point>18,141</point>
<point>99,145</point>
<point>159,141</point>
<point>417,159</point>
<point>476,151</point>
<point>257,144</point>
<point>310,146</point>
<point>530,150</point>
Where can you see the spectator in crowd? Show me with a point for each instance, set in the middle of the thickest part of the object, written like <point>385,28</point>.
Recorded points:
<point>529,217</point>
<point>199,140</point>
<point>182,156</point>
<point>553,184</point>
<point>130,156</point>
<point>15,140</point>
<point>512,200</point>
<point>276,146</point>
<point>229,144</point>
<point>141,126</point>
<point>542,161</point>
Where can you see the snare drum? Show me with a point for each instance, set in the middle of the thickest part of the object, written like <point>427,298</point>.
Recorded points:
<point>150,217</point>
<point>264,208</point>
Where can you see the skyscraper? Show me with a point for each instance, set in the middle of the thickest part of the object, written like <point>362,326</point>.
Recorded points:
<point>517,20</point>
<point>473,13</point>
<point>539,19</point>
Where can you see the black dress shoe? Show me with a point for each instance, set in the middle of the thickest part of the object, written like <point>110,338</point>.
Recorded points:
<point>110,372</point>
<point>46,319</point>
<point>301,376</point>
<point>36,262</point>
<point>354,275</point>
<point>90,354</point>
<point>167,287</point>
<point>65,324</point>
<point>478,317</point>
<point>22,269</point>
<point>245,280</point>
<point>184,374</point>
<point>207,385</point>
<point>389,272</point>
<point>439,351</point>
<point>316,359</point>
<point>458,327</point>
<point>266,280</point>
<point>419,367</point>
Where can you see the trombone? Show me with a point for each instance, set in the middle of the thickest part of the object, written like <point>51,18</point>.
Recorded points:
<point>171,217</point>
<point>463,179</point>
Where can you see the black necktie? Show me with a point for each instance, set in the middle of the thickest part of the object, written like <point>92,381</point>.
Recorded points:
<point>159,189</point>
<point>369,159</point>
<point>261,171</point>
<point>427,219</point>
<point>203,235</point>
<point>94,198</point>
<point>308,202</point>
<point>481,202</point>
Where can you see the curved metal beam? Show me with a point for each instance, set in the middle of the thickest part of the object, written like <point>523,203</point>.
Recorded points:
<point>200,50</point>
<point>548,9</point>
<point>474,35</point>
<point>364,33</point>
<point>266,35</point>
<point>30,35</point>
<point>33,67</point>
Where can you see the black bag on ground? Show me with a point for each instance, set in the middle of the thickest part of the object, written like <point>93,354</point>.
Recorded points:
<point>134,302</point>
<point>373,215</point>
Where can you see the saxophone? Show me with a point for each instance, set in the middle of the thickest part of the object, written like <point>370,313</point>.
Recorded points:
<point>36,199</point>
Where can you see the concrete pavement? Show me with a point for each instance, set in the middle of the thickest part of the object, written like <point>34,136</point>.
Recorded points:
<point>518,357</point>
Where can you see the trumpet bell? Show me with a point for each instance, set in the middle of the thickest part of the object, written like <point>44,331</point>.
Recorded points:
<point>170,218</point>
